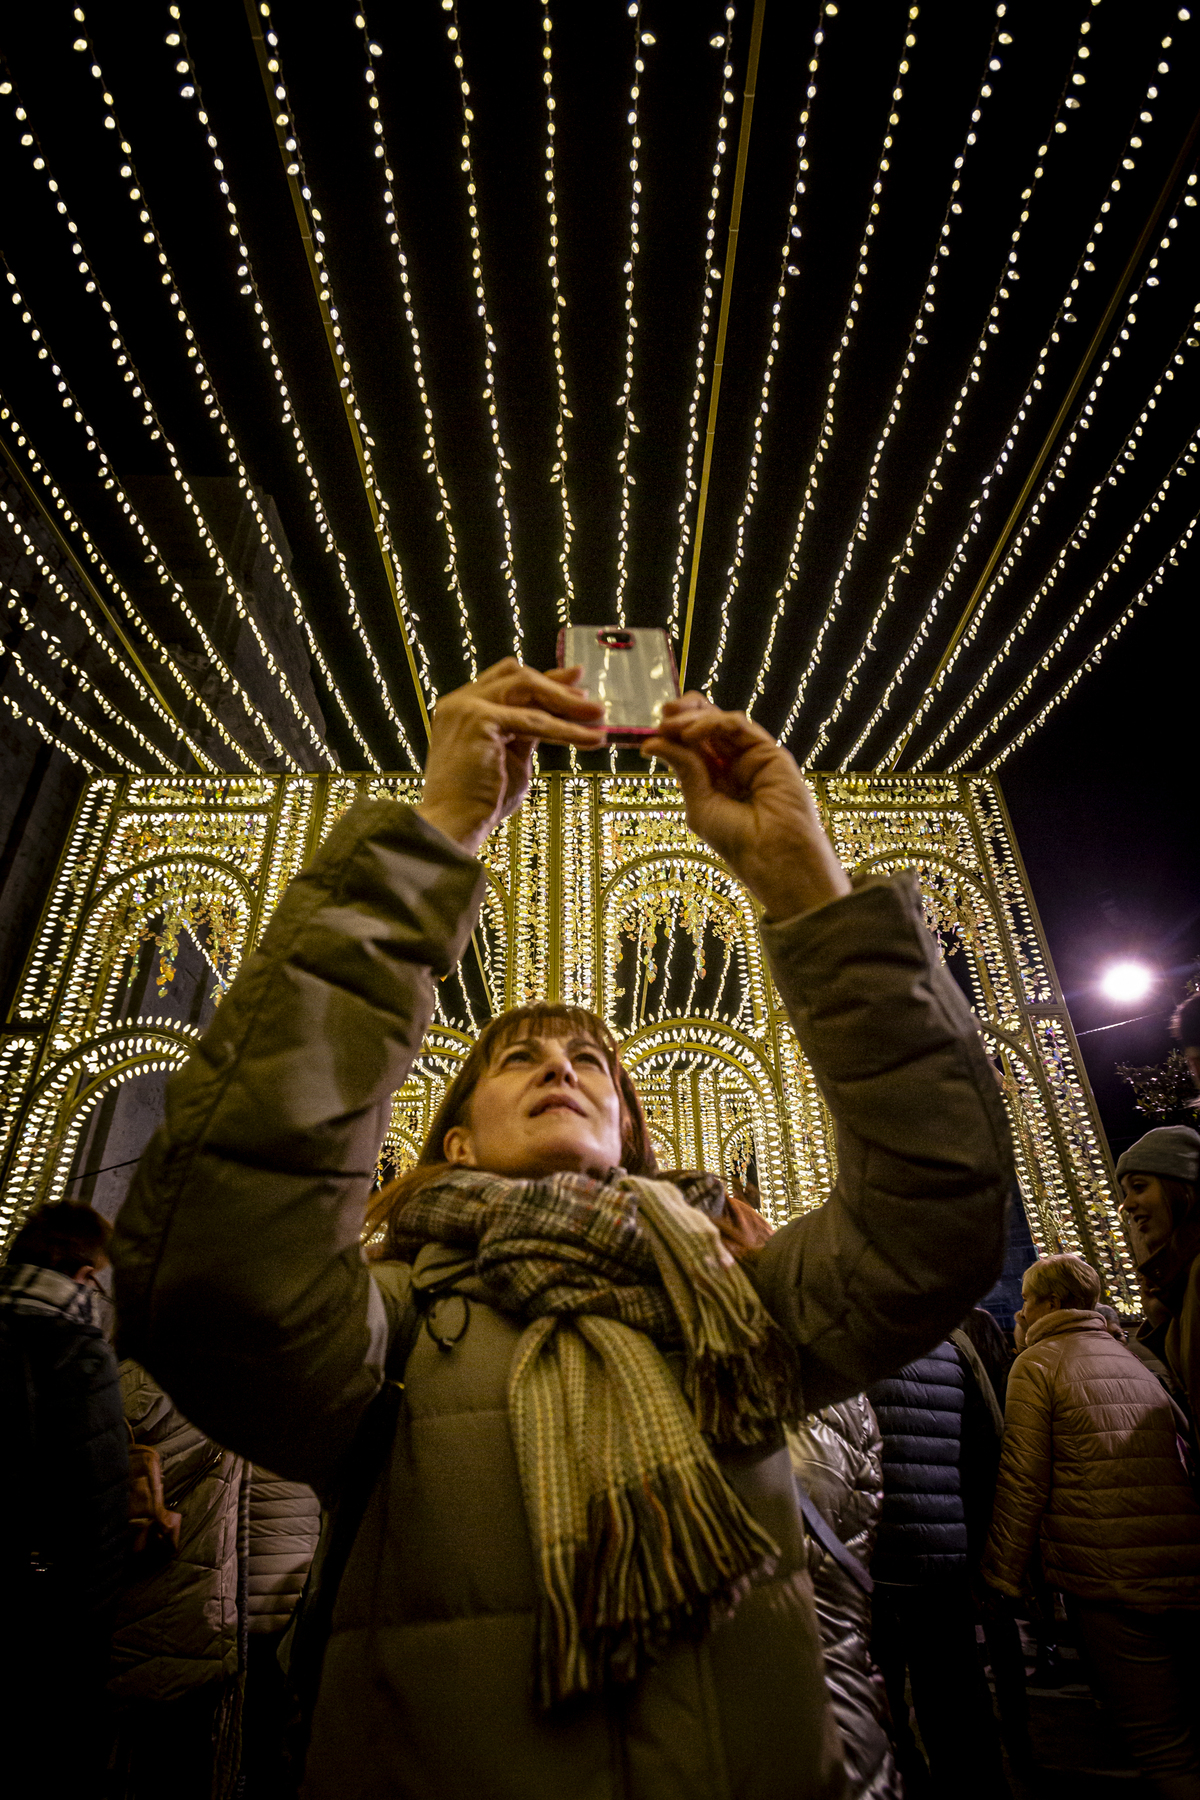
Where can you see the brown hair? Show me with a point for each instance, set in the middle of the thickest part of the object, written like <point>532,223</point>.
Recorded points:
<point>65,1237</point>
<point>545,1019</point>
<point>1180,1197</point>
<point>1065,1277</point>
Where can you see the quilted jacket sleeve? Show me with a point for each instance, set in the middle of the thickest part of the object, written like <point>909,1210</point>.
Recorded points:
<point>240,1282</point>
<point>913,1232</point>
<point>1026,1474</point>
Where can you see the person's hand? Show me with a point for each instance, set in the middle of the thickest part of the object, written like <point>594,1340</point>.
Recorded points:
<point>744,795</point>
<point>481,746</point>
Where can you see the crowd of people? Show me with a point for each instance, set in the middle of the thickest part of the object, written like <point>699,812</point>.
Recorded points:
<point>541,1470</point>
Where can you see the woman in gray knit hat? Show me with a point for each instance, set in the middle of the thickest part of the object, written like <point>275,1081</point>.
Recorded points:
<point>1158,1177</point>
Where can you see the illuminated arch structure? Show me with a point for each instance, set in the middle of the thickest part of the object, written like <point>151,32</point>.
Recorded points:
<point>598,894</point>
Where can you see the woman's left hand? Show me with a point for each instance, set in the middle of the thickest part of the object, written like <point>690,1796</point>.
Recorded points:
<point>481,747</point>
<point>744,795</point>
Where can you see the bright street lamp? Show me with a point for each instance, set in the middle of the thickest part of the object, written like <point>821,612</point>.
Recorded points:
<point>1127,982</point>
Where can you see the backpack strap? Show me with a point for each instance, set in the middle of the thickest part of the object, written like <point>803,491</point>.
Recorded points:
<point>829,1541</point>
<point>303,1649</point>
<point>983,1380</point>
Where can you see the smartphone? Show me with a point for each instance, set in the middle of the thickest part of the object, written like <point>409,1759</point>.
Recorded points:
<point>632,671</point>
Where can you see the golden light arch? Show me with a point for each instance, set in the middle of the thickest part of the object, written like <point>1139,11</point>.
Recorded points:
<point>582,854</point>
<point>60,1103</point>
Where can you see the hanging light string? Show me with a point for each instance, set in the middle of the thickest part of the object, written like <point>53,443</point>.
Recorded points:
<point>787,267</point>
<point>312,237</point>
<point>1042,665</point>
<point>949,655</point>
<point>916,341</point>
<point>558,474</point>
<point>716,1005</point>
<point>1074,540</point>
<point>211,403</point>
<point>163,654</point>
<point>472,1021</point>
<point>135,670</point>
<point>837,369</point>
<point>249,288</point>
<point>714,391</point>
<point>151,554</point>
<point>113,756</point>
<point>72,406</point>
<point>47,736</point>
<point>433,466</point>
<point>664,989</point>
<point>63,595</point>
<point>712,274</point>
<point>150,236</point>
<point>120,718</point>
<point>128,367</point>
<point>490,400</point>
<point>1064,316</point>
<point>632,428</point>
<point>1033,519</point>
<point>1091,661</point>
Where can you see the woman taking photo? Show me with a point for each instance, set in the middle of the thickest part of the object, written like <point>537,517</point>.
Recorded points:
<point>581,1569</point>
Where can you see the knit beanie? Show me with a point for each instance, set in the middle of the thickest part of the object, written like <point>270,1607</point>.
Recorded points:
<point>1171,1150</point>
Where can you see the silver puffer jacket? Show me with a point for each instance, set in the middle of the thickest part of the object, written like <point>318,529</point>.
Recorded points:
<point>838,1455</point>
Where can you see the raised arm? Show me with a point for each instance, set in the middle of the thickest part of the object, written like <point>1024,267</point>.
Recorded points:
<point>913,1231</point>
<point>241,1283</point>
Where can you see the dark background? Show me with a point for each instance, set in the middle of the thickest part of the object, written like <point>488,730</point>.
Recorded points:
<point>1101,795</point>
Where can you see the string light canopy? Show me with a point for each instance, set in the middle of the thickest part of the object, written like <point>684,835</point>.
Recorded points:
<point>443,284</point>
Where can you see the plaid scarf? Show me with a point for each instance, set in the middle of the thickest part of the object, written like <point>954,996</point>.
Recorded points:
<point>28,1288</point>
<point>638,1539</point>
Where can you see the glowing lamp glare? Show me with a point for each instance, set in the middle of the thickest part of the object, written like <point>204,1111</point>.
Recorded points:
<point>1127,982</point>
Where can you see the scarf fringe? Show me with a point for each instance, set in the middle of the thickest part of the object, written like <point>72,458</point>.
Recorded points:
<point>660,1563</point>
<point>743,1397</point>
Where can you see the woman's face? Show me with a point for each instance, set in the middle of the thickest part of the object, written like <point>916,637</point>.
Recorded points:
<point>1033,1309</point>
<point>546,1105</point>
<point>1148,1211</point>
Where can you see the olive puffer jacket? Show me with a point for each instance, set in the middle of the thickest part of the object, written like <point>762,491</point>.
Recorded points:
<point>838,1456</point>
<point>177,1627</point>
<point>1091,1465</point>
<point>242,1283</point>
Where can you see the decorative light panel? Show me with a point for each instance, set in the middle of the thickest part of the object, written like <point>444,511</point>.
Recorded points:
<point>597,894</point>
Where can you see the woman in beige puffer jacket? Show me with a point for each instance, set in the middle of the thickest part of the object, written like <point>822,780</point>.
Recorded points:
<point>1091,1469</point>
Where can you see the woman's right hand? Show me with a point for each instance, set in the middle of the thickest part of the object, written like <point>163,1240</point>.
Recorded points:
<point>481,746</point>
